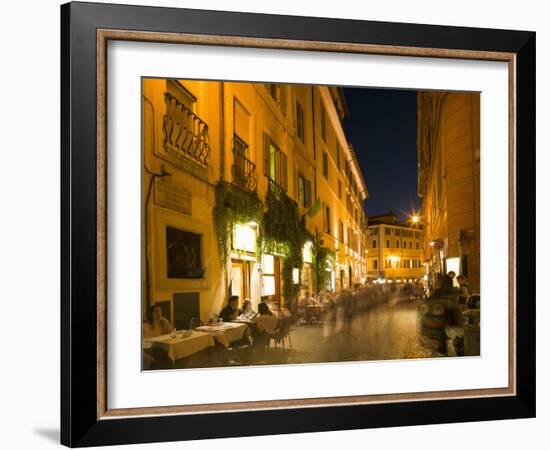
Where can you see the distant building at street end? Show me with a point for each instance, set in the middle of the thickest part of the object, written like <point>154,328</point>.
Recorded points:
<point>395,249</point>
<point>448,181</point>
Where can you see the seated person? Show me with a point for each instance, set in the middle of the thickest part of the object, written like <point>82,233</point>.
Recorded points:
<point>284,313</point>
<point>247,311</point>
<point>266,323</point>
<point>444,286</point>
<point>156,324</point>
<point>231,311</point>
<point>464,286</point>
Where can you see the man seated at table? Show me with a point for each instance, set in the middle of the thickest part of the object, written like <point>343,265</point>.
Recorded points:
<point>231,311</point>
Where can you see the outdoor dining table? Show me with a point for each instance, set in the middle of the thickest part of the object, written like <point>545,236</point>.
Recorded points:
<point>225,332</point>
<point>312,311</point>
<point>181,346</point>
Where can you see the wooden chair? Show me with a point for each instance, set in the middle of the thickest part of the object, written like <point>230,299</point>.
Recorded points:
<point>195,322</point>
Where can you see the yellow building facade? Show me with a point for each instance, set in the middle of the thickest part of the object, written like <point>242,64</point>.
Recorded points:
<point>209,147</point>
<point>448,181</point>
<point>395,250</point>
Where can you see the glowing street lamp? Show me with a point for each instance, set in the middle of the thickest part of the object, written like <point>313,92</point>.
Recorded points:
<point>415,219</point>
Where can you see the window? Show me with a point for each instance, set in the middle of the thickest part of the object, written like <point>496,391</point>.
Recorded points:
<point>327,219</point>
<point>277,93</point>
<point>325,165</point>
<point>341,234</point>
<point>300,122</point>
<point>272,89</point>
<point>397,244</point>
<point>398,232</point>
<point>304,191</point>
<point>374,241</point>
<point>239,145</point>
<point>177,90</point>
<point>387,230</point>
<point>323,123</point>
<point>268,275</point>
<point>340,189</point>
<point>388,243</point>
<point>375,264</point>
<point>410,244</point>
<point>417,245</point>
<point>275,164</point>
<point>338,155</point>
<point>183,254</point>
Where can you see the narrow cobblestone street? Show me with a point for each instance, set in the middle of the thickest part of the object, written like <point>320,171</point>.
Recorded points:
<point>383,332</point>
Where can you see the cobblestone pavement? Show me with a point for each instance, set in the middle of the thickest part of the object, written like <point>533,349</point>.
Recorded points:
<point>387,331</point>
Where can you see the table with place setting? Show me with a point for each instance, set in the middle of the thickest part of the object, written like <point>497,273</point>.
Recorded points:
<point>184,343</point>
<point>225,332</point>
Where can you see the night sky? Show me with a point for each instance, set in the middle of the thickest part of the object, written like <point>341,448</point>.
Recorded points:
<point>382,129</point>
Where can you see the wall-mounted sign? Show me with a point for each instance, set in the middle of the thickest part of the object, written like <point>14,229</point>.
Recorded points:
<point>171,195</point>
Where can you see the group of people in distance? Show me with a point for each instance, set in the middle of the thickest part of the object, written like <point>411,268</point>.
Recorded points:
<point>444,285</point>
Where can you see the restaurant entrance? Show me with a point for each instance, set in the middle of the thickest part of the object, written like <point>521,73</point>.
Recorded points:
<point>240,279</point>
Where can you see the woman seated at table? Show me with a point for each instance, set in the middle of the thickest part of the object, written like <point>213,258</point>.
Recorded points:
<point>247,312</point>
<point>156,324</point>
<point>266,324</point>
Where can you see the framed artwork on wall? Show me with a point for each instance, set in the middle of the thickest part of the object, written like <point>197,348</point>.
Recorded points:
<point>325,215</point>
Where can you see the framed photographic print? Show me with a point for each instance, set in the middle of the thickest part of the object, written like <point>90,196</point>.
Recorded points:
<point>276,224</point>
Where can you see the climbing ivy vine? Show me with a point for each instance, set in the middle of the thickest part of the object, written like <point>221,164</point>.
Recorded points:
<point>322,256</point>
<point>234,205</point>
<point>285,233</point>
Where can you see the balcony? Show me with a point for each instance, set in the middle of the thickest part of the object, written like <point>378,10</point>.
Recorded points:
<point>243,171</point>
<point>185,133</point>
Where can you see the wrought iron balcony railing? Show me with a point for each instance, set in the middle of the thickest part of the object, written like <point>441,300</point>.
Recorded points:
<point>243,171</point>
<point>185,133</point>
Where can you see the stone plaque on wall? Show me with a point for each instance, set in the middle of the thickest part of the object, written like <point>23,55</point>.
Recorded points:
<point>171,195</point>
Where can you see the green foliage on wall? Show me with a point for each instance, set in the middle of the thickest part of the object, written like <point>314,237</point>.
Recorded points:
<point>284,232</point>
<point>321,257</point>
<point>234,205</point>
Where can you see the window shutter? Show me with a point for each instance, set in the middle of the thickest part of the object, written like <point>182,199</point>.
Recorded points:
<point>282,94</point>
<point>308,193</point>
<point>284,176</point>
<point>266,155</point>
<point>296,179</point>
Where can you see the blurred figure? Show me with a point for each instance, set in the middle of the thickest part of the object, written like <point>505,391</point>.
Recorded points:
<point>247,312</point>
<point>444,286</point>
<point>464,286</point>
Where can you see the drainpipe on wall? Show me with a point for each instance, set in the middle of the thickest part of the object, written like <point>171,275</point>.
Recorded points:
<point>313,134</point>
<point>222,131</point>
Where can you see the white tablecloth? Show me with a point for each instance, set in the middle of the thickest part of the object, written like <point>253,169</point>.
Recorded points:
<point>225,332</point>
<point>180,347</point>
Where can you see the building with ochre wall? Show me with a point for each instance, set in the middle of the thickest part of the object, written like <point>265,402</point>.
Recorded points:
<point>244,142</point>
<point>448,181</point>
<point>395,250</point>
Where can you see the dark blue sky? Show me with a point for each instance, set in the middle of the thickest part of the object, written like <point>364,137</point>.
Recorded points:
<point>382,129</point>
